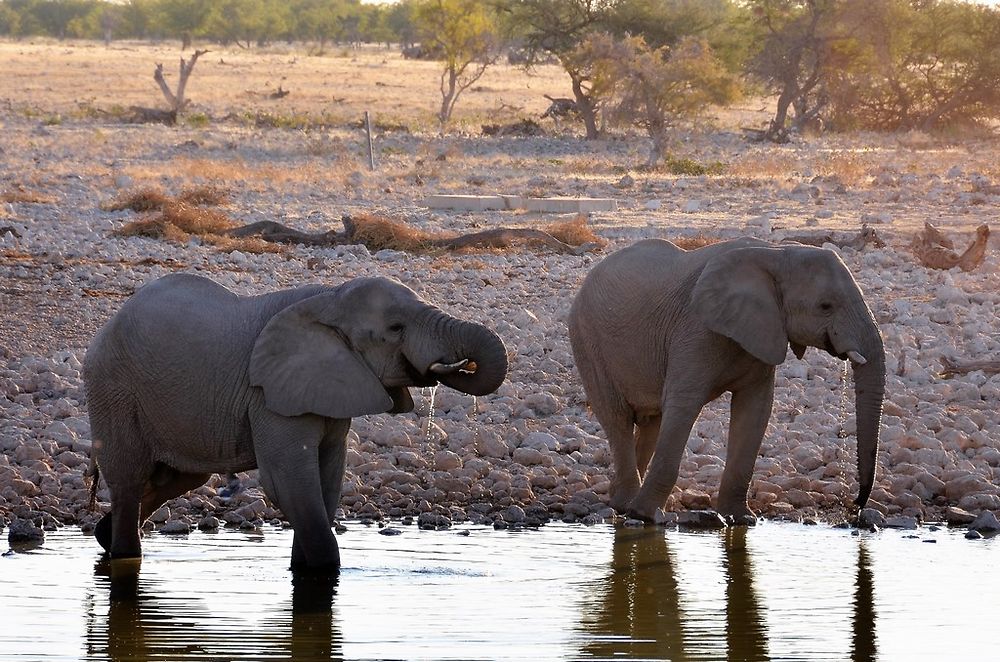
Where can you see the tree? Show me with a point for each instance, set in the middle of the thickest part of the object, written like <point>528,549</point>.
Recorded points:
<point>655,88</point>
<point>183,18</point>
<point>464,32</point>
<point>796,39</point>
<point>919,66</point>
<point>558,27</point>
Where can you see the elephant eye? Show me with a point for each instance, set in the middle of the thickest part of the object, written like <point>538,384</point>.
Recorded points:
<point>397,327</point>
<point>826,306</point>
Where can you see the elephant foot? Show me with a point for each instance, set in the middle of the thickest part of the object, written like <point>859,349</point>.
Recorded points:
<point>739,516</point>
<point>621,500</point>
<point>102,532</point>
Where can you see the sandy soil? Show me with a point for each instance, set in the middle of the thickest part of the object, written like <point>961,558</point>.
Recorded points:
<point>532,450</point>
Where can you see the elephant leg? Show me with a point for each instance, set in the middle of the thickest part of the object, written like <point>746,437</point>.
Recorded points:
<point>287,450</point>
<point>750,412</point>
<point>332,463</point>
<point>165,484</point>
<point>124,521</point>
<point>648,431</point>
<point>621,438</point>
<point>678,417</point>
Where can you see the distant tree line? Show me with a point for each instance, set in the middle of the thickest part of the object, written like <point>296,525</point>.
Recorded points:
<point>830,64</point>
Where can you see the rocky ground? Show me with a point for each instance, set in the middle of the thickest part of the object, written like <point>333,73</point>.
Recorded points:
<point>531,451</point>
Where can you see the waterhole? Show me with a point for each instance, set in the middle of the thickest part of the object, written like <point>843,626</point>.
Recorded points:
<point>564,592</point>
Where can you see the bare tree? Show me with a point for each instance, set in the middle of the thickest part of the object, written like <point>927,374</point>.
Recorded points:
<point>175,99</point>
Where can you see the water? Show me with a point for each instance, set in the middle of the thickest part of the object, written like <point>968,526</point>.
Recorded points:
<point>565,592</point>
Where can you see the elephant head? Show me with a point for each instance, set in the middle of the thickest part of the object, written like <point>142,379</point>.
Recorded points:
<point>354,350</point>
<point>767,297</point>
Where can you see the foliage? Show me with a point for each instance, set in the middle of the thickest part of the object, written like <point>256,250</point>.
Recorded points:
<point>920,66</point>
<point>464,33</point>
<point>656,87</point>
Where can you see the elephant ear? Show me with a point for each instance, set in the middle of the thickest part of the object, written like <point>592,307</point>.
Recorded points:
<point>305,366</point>
<point>736,296</point>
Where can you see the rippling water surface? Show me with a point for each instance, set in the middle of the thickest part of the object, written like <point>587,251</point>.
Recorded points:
<point>564,592</point>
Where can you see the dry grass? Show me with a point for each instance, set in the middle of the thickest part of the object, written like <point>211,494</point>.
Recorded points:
<point>763,165</point>
<point>140,200</point>
<point>204,196</point>
<point>697,241</point>
<point>851,167</point>
<point>378,232</point>
<point>574,232</point>
<point>19,193</point>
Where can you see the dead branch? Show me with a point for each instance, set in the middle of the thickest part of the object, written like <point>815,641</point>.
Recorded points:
<point>176,99</point>
<point>936,251</point>
<point>954,367</point>
<point>866,236</point>
<point>496,238</point>
<point>279,93</point>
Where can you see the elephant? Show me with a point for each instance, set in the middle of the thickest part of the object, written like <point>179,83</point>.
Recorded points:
<point>657,332</point>
<point>189,379</point>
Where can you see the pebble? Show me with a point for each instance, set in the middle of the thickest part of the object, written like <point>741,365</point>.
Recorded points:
<point>701,519</point>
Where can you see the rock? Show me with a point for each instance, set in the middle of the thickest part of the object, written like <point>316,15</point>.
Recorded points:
<point>986,522</point>
<point>433,521</point>
<point>634,523</point>
<point>208,523</point>
<point>870,517</point>
<point>701,519</point>
<point>974,535</point>
<point>530,457</point>
<point>489,444</point>
<point>514,514</point>
<point>541,441</point>
<point>160,515</point>
<point>957,516</point>
<point>653,205</point>
<point>901,522</point>
<point>447,461</point>
<point>177,526</point>
<point>389,531</point>
<point>24,531</point>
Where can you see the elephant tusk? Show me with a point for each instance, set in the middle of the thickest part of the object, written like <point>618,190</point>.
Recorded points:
<point>856,358</point>
<point>449,368</point>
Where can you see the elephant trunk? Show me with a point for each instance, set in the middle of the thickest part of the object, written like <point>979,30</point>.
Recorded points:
<point>869,392</point>
<point>476,360</point>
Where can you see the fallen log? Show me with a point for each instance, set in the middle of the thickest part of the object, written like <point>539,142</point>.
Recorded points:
<point>408,239</point>
<point>954,367</point>
<point>866,236</point>
<point>936,251</point>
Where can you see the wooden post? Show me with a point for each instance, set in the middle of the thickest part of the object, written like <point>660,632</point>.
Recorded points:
<point>371,152</point>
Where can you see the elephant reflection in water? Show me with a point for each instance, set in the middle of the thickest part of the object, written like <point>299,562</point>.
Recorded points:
<point>142,626</point>
<point>637,612</point>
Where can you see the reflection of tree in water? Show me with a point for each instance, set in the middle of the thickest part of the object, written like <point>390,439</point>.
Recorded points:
<point>141,625</point>
<point>864,645</point>
<point>636,611</point>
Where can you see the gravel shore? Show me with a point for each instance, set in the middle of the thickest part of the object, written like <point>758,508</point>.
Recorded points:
<point>531,451</point>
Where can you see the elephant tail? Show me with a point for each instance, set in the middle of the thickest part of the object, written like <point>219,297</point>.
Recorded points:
<point>95,481</point>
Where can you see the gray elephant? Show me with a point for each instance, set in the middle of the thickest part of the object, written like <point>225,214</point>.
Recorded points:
<point>658,332</point>
<point>189,379</point>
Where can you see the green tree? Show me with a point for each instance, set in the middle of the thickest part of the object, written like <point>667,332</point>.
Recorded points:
<point>795,39</point>
<point>656,88</point>
<point>464,32</point>
<point>183,19</point>
<point>558,27</point>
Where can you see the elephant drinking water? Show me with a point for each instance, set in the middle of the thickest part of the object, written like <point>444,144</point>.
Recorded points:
<point>658,332</point>
<point>189,379</point>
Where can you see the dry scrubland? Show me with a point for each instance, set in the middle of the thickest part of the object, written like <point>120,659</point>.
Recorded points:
<point>531,450</point>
